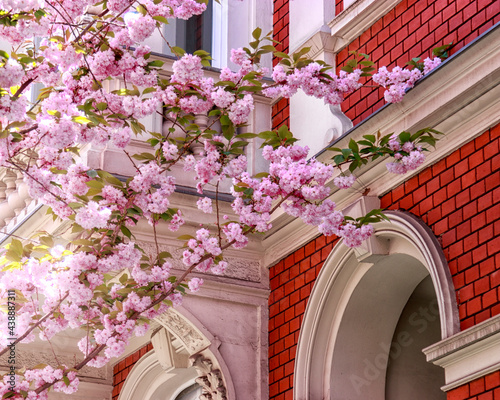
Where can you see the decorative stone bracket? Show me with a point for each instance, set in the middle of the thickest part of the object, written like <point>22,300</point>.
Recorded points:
<point>201,353</point>
<point>372,249</point>
<point>210,378</point>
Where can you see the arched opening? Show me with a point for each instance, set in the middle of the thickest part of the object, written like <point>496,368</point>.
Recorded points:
<point>360,337</point>
<point>184,364</point>
<point>409,375</point>
<point>163,373</point>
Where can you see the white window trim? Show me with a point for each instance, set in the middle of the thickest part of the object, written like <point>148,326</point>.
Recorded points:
<point>219,34</point>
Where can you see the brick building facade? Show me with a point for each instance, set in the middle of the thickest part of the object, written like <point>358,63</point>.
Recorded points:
<point>456,195</point>
<point>415,312</point>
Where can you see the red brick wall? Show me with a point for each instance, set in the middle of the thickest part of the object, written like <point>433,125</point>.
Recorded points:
<point>412,29</point>
<point>122,369</point>
<point>281,19</point>
<point>484,388</point>
<point>339,6</point>
<point>291,283</point>
<point>459,198</point>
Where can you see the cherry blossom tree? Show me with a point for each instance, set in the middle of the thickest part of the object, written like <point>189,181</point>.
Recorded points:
<point>73,48</point>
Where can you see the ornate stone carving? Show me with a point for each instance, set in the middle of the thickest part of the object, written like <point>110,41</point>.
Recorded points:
<point>183,330</point>
<point>239,268</point>
<point>210,379</point>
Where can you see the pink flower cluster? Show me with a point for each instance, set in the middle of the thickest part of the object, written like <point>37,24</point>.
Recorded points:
<point>153,189</point>
<point>204,244</point>
<point>400,79</point>
<point>310,81</point>
<point>354,236</point>
<point>344,181</point>
<point>188,72</point>
<point>92,216</point>
<point>36,378</point>
<point>408,156</point>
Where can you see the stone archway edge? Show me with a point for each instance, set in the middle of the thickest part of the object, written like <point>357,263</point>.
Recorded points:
<point>202,346</point>
<point>311,375</point>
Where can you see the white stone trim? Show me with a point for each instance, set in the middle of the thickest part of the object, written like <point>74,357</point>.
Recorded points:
<point>147,376</point>
<point>461,98</point>
<point>469,354</point>
<point>357,18</point>
<point>149,373</point>
<point>219,34</point>
<point>335,284</point>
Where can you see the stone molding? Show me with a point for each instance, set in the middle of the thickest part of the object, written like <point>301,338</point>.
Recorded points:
<point>468,355</point>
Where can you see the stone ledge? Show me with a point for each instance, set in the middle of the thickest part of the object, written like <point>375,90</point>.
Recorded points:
<point>469,354</point>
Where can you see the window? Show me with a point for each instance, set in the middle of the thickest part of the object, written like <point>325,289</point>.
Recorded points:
<point>200,32</point>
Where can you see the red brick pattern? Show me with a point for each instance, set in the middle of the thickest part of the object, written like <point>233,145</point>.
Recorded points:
<point>459,198</point>
<point>339,6</point>
<point>484,388</point>
<point>122,369</point>
<point>292,280</point>
<point>412,29</point>
<point>281,21</point>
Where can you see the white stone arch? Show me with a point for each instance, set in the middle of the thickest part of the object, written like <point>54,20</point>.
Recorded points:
<point>184,352</point>
<point>402,253</point>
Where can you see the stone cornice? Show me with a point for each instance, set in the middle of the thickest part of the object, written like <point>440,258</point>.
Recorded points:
<point>469,354</point>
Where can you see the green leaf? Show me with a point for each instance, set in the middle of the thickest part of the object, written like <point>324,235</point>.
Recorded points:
<point>280,54</point>
<point>404,137</point>
<point>102,106</point>
<point>164,254</point>
<point>149,90</point>
<point>268,48</point>
<point>346,153</point>
<point>256,33</point>
<point>141,9</point>
<point>16,246</point>
<point>92,173</point>
<point>161,19</point>
<point>371,138</point>
<point>239,144</point>
<point>267,135</point>
<point>338,159</point>
<point>95,184</point>
<point>81,120</point>
<point>353,146</point>
<point>185,237</point>
<point>178,51</point>
<point>156,63</point>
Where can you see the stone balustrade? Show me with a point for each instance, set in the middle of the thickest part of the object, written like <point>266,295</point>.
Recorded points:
<point>14,197</point>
